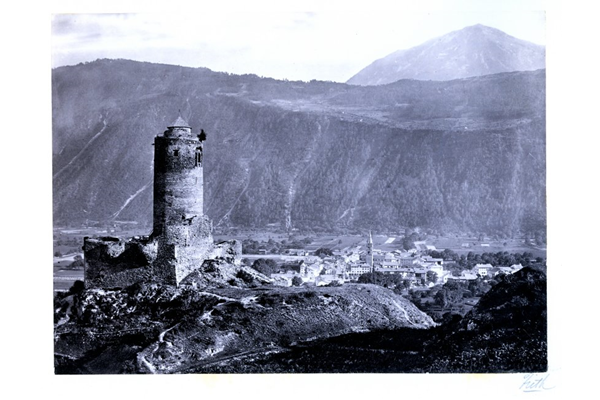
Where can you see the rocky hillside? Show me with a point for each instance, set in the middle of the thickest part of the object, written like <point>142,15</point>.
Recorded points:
<point>505,332</point>
<point>158,329</point>
<point>465,154</point>
<point>473,51</point>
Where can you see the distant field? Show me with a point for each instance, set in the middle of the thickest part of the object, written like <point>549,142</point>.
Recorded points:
<point>394,242</point>
<point>73,240</point>
<point>64,279</point>
<point>334,242</point>
<point>65,261</point>
<point>509,245</point>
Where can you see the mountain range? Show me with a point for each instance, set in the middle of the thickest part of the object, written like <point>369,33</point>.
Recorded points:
<point>465,154</point>
<point>472,51</point>
<point>459,155</point>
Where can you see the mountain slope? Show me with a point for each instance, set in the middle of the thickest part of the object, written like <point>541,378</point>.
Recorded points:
<point>465,154</point>
<point>473,51</point>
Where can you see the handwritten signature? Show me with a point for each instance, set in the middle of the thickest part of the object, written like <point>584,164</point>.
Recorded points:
<point>536,382</point>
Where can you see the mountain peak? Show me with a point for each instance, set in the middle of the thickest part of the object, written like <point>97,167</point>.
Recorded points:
<point>481,29</point>
<point>480,26</point>
<point>472,51</point>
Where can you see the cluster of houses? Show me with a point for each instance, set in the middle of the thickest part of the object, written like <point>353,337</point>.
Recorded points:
<point>348,265</point>
<point>483,270</point>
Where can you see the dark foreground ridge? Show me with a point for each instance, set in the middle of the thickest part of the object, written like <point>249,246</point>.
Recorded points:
<point>505,332</point>
<point>149,328</point>
<point>152,328</point>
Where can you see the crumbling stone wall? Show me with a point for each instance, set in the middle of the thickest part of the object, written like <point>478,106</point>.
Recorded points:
<point>112,262</point>
<point>186,249</point>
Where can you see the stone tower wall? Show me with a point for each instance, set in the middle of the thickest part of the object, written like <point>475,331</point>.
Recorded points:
<point>178,188</point>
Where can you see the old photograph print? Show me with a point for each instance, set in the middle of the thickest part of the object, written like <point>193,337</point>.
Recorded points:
<point>299,192</point>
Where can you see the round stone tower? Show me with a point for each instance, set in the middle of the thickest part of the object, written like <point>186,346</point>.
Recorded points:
<point>180,226</point>
<point>181,239</point>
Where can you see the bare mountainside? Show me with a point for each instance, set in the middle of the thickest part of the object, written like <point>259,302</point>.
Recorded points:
<point>466,154</point>
<point>473,51</point>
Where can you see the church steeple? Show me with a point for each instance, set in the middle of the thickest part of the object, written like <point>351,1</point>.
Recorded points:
<point>370,252</point>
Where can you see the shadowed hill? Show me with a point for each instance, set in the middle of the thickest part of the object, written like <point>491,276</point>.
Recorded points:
<point>505,332</point>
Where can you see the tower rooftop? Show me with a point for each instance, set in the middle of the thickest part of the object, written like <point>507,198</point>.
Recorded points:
<point>179,123</point>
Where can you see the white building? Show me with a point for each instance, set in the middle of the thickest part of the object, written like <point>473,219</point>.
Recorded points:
<point>464,276</point>
<point>509,270</point>
<point>408,260</point>
<point>482,269</point>
<point>356,270</point>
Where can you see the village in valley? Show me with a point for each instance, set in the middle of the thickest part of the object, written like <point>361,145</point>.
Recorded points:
<point>439,281</point>
<point>319,260</point>
<point>422,266</point>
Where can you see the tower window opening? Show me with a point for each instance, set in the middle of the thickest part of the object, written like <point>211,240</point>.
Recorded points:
<point>198,156</point>
<point>176,153</point>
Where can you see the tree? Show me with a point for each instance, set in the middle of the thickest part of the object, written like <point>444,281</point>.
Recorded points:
<point>265,266</point>
<point>441,298</point>
<point>296,281</point>
<point>454,296</point>
<point>377,278</point>
<point>324,252</point>
<point>250,246</point>
<point>57,254</point>
<point>78,287</point>
<point>365,278</point>
<point>77,262</point>
<point>407,243</point>
<point>448,254</point>
<point>478,287</point>
<point>432,276</point>
<point>393,280</point>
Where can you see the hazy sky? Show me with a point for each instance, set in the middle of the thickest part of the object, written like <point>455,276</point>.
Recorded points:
<point>302,43</point>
